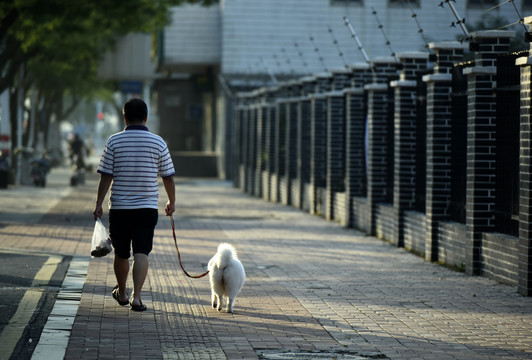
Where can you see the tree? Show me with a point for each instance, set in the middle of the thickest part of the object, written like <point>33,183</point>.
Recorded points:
<point>59,44</point>
<point>492,22</point>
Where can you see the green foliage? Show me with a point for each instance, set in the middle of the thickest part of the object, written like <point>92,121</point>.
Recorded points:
<point>491,22</point>
<point>61,42</point>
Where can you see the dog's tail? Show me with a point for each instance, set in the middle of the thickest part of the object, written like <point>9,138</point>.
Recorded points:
<point>227,252</point>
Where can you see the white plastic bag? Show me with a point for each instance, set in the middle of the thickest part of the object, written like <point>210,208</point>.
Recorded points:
<point>101,243</point>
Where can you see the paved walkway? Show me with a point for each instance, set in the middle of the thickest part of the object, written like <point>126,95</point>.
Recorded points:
<point>313,290</point>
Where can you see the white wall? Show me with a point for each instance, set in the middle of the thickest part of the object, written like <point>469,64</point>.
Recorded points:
<point>131,59</point>
<point>194,36</point>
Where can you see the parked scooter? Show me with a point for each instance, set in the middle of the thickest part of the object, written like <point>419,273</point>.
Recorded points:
<point>78,176</point>
<point>39,171</point>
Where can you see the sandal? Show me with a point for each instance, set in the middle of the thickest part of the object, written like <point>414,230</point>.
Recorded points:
<point>140,307</point>
<point>116,296</point>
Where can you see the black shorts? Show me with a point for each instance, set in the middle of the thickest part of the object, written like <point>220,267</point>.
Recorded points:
<point>132,227</point>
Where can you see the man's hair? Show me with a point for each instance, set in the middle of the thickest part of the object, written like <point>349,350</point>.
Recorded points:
<point>135,110</point>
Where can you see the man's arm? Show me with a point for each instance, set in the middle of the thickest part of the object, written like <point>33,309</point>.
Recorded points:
<point>103,187</point>
<point>169,186</point>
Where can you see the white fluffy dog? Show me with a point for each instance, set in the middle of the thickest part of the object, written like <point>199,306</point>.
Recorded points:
<point>226,276</point>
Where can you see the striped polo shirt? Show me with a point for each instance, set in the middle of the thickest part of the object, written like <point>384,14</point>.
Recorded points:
<point>134,158</point>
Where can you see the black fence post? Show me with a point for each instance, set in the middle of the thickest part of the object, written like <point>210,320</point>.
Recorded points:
<point>355,144</point>
<point>481,135</point>
<point>303,145</point>
<point>385,69</point>
<point>318,136</point>
<point>335,186</point>
<point>405,118</point>
<point>439,117</point>
<point>524,281</point>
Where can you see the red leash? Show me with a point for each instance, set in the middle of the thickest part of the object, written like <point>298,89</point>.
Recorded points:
<point>179,255</point>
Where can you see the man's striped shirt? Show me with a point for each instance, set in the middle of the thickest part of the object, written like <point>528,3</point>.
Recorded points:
<point>134,158</point>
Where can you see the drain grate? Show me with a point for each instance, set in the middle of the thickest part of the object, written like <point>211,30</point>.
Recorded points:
<point>316,354</point>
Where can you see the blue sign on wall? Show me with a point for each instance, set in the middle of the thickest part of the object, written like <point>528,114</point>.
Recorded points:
<point>131,87</point>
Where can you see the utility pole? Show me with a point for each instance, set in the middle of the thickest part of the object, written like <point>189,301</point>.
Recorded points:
<point>20,116</point>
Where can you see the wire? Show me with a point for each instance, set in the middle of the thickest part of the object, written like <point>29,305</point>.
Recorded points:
<point>355,37</point>
<point>317,50</point>
<point>521,20</point>
<point>374,12</point>
<point>498,5</point>
<point>335,42</point>
<point>414,16</point>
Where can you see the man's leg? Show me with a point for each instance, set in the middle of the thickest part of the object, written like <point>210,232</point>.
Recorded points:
<point>121,267</point>
<point>140,271</point>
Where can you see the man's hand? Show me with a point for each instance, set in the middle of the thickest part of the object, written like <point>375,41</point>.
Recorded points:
<point>103,187</point>
<point>98,212</point>
<point>170,208</point>
<point>169,186</point>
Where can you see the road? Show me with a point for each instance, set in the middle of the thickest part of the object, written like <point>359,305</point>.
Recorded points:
<point>29,280</point>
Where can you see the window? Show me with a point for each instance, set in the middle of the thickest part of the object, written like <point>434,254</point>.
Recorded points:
<point>401,3</point>
<point>482,4</point>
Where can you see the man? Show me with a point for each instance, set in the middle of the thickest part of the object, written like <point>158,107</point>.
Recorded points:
<point>130,164</point>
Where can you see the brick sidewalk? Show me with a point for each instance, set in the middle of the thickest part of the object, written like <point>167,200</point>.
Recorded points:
<point>311,285</point>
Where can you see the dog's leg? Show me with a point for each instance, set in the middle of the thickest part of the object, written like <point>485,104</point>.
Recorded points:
<point>230,302</point>
<point>214,300</point>
<point>217,300</point>
<point>220,297</point>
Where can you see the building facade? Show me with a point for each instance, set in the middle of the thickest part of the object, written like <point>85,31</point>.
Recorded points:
<point>208,54</point>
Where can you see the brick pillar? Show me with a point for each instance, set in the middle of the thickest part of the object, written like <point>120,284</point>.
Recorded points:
<point>377,102</point>
<point>237,144</point>
<point>318,140</point>
<point>228,139</point>
<point>278,153</point>
<point>355,162</point>
<point>251,156</point>
<point>243,145</point>
<point>524,281</point>
<point>335,149</point>
<point>279,149</point>
<point>322,83</point>
<point>341,79</point>
<point>291,147</point>
<point>438,187</point>
<point>412,64</point>
<point>318,147</point>
<point>261,142</point>
<point>303,145</point>
<point>270,144</point>
<point>481,132</point>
